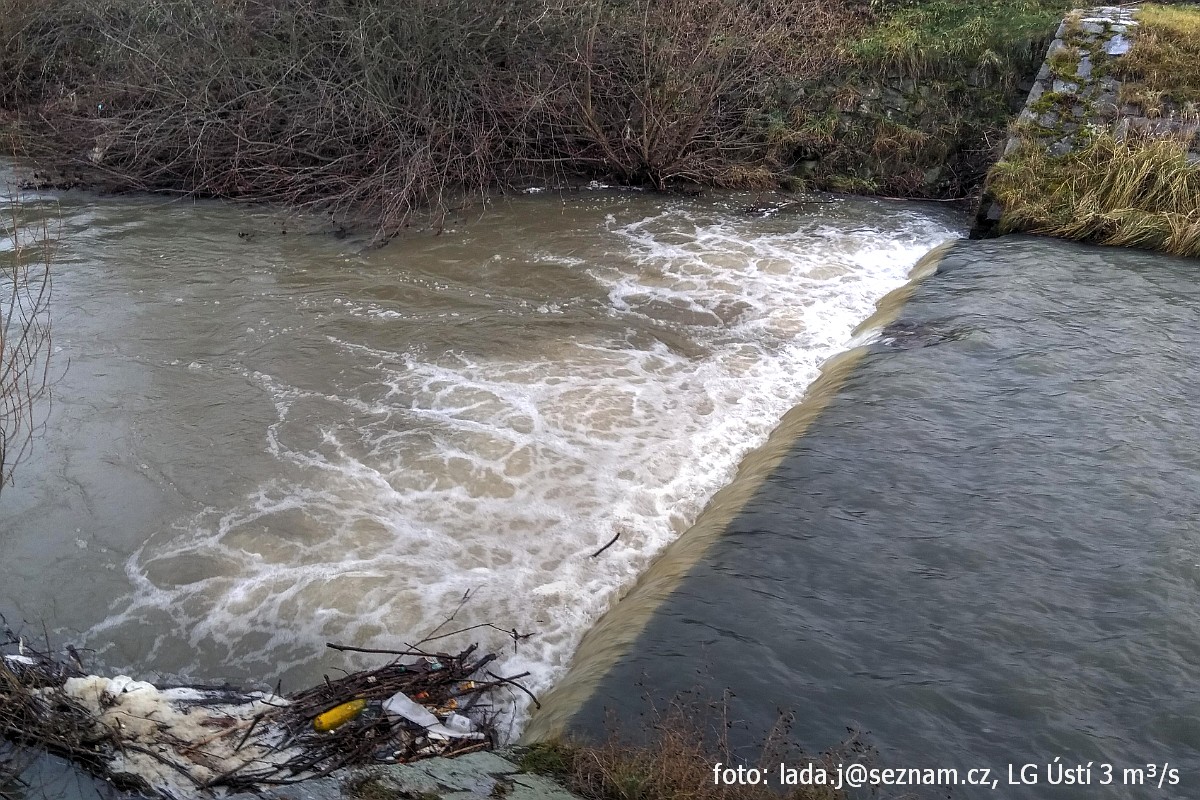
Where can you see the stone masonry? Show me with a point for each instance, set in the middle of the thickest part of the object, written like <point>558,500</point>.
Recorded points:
<point>1075,93</point>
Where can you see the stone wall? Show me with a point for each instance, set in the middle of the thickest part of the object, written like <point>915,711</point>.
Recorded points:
<point>930,136</point>
<point>1076,92</point>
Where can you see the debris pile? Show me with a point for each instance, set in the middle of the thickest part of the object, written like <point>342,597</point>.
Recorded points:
<point>183,741</point>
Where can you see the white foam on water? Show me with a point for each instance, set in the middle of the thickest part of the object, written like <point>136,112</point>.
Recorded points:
<point>499,475</point>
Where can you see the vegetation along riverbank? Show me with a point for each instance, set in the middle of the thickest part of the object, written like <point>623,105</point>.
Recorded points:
<point>1108,147</point>
<point>405,111</point>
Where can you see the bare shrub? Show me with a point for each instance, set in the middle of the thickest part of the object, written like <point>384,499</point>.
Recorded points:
<point>386,108</point>
<point>25,254</point>
<point>667,89</point>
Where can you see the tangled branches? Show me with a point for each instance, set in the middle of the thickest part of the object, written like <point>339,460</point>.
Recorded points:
<point>386,108</point>
<point>29,719</point>
<point>184,741</point>
<point>25,254</point>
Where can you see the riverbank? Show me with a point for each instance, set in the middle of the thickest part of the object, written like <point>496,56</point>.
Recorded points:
<point>1107,149</point>
<point>571,771</point>
<point>401,116</point>
<point>386,120</point>
<point>675,754</point>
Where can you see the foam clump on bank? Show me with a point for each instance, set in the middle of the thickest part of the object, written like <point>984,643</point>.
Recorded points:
<point>179,738</point>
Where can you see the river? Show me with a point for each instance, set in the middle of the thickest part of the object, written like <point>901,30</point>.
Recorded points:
<point>982,549</point>
<point>264,439</point>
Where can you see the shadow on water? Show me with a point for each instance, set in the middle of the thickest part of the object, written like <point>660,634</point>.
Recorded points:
<point>985,550</point>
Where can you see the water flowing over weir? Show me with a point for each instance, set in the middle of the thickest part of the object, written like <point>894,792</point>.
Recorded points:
<point>982,552</point>
<point>612,638</point>
<point>267,441</point>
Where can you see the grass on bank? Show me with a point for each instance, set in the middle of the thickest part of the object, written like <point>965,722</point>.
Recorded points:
<point>1164,63</point>
<point>1134,186</point>
<point>1140,191</point>
<point>916,37</point>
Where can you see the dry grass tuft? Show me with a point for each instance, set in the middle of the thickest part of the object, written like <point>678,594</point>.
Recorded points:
<point>1165,58</point>
<point>675,759</point>
<point>1140,191</point>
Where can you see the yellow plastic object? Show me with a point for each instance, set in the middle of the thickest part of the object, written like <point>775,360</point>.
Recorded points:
<point>338,716</point>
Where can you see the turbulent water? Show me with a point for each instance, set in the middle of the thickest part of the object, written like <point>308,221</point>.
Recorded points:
<point>984,553</point>
<point>263,440</point>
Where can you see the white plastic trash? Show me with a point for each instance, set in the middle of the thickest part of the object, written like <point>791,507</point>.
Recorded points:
<point>440,731</point>
<point>401,705</point>
<point>459,723</point>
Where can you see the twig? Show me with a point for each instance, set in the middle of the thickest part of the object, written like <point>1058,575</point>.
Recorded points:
<point>429,636</point>
<point>511,632</point>
<point>512,682</point>
<point>611,542</point>
<point>376,651</point>
<point>253,723</point>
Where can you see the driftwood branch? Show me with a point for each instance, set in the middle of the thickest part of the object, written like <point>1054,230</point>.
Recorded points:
<point>611,542</point>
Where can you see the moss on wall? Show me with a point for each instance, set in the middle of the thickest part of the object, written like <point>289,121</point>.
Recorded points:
<point>929,137</point>
<point>1107,148</point>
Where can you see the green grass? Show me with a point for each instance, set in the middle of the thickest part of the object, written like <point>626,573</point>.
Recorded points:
<point>917,36</point>
<point>1052,101</point>
<point>1138,192</point>
<point>554,759</point>
<point>1064,62</point>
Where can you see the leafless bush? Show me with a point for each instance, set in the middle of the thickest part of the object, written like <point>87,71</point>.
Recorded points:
<point>385,108</point>
<point>25,254</point>
<point>662,90</point>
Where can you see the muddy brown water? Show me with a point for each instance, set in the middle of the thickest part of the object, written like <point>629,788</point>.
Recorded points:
<point>981,549</point>
<point>264,439</point>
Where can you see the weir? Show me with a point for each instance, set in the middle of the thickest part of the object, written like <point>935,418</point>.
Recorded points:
<point>469,444</point>
<point>965,556</point>
<point>619,629</point>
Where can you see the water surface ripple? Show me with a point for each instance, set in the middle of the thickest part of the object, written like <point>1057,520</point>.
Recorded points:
<point>267,440</point>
